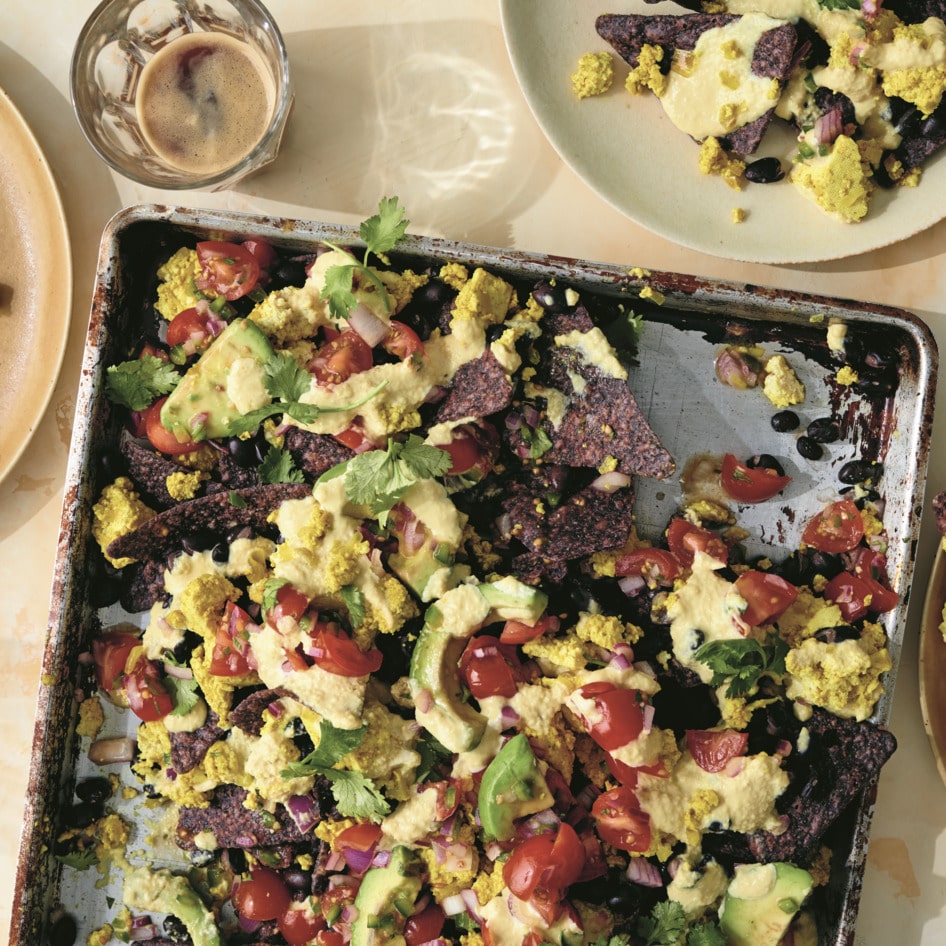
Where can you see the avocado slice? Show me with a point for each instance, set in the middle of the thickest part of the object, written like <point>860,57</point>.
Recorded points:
<point>512,787</point>
<point>202,405</point>
<point>448,625</point>
<point>386,899</point>
<point>161,891</point>
<point>761,902</point>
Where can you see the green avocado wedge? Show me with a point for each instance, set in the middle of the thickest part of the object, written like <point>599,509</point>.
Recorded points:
<point>512,787</point>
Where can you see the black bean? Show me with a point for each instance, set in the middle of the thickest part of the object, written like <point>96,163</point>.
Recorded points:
<point>82,815</point>
<point>64,931</point>
<point>552,298</point>
<point>823,430</point>
<point>298,879</point>
<point>934,126</point>
<point>764,461</point>
<point>861,471</point>
<point>765,171</point>
<point>785,421</point>
<point>175,930</point>
<point>247,453</point>
<point>94,790</point>
<point>809,449</point>
<point>874,386</point>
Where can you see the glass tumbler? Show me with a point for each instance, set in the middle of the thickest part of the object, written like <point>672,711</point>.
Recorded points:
<point>182,94</point>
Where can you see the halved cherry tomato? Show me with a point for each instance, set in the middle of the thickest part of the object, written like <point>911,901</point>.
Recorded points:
<point>193,329</point>
<point>473,449</point>
<point>335,652</point>
<point>518,632</point>
<point>620,821</point>
<point>110,652</point>
<point>355,438</point>
<point>750,485</point>
<point>488,668</point>
<point>837,528</point>
<point>628,774</point>
<point>404,343</point>
<point>146,695</point>
<point>263,253</point>
<point>290,603</point>
<point>767,596</point>
<point>232,643</point>
<point>655,566</point>
<point>425,926</point>
<point>339,359</point>
<point>685,540</point>
<point>300,924</point>
<point>357,844</point>
<point>712,749</point>
<point>856,594</point>
<point>161,438</point>
<point>263,896</point>
<point>228,270</point>
<point>544,866</point>
<point>617,718</point>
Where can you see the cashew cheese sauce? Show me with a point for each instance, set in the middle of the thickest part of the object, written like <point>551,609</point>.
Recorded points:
<point>712,90</point>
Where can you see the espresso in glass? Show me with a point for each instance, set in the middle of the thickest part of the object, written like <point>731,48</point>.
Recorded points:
<point>204,101</point>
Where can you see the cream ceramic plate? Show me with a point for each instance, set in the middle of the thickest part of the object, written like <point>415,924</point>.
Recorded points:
<point>626,149</point>
<point>933,662</point>
<point>35,284</point>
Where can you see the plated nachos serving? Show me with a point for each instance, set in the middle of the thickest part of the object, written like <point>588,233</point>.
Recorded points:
<point>400,667</point>
<point>838,97</point>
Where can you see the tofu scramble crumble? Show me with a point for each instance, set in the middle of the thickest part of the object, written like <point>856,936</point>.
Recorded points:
<point>407,673</point>
<point>860,83</point>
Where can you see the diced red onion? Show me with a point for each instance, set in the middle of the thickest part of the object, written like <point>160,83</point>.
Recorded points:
<point>334,862</point>
<point>304,812</point>
<point>641,871</point>
<point>248,925</point>
<point>178,671</point>
<point>276,709</point>
<point>146,931</point>
<point>586,797</point>
<point>111,751</point>
<point>359,861</point>
<point>413,537</point>
<point>368,325</point>
<point>342,880</point>
<point>381,859</point>
<point>453,905</point>
<point>472,904</point>
<point>734,766</point>
<point>632,585</point>
<point>513,421</point>
<point>622,657</point>
<point>647,711</point>
<point>828,127</point>
<point>424,700</point>
<point>733,370</point>
<point>530,415</point>
<point>610,482</point>
<point>508,717</point>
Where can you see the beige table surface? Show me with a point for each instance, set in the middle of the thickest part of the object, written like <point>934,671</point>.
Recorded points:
<point>367,75</point>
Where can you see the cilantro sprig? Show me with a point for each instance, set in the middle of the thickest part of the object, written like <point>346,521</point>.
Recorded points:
<point>355,795</point>
<point>380,478</point>
<point>287,383</point>
<point>742,662</point>
<point>136,384</point>
<point>380,233</point>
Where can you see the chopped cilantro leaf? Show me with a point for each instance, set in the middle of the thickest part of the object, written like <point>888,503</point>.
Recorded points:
<point>287,382</point>
<point>380,234</point>
<point>355,603</point>
<point>432,754</point>
<point>138,384</point>
<point>706,934</point>
<point>664,926</point>
<point>742,662</point>
<point>355,794</point>
<point>840,4</point>
<point>278,467</point>
<point>81,859</point>
<point>379,478</point>
<point>183,692</point>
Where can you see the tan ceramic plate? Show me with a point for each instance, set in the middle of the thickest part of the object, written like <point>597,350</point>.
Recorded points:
<point>35,284</point>
<point>932,662</point>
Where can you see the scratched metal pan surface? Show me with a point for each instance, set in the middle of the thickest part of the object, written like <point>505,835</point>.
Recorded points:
<point>687,320</point>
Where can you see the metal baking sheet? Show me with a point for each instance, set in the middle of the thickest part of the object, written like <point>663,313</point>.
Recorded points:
<point>687,321</point>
